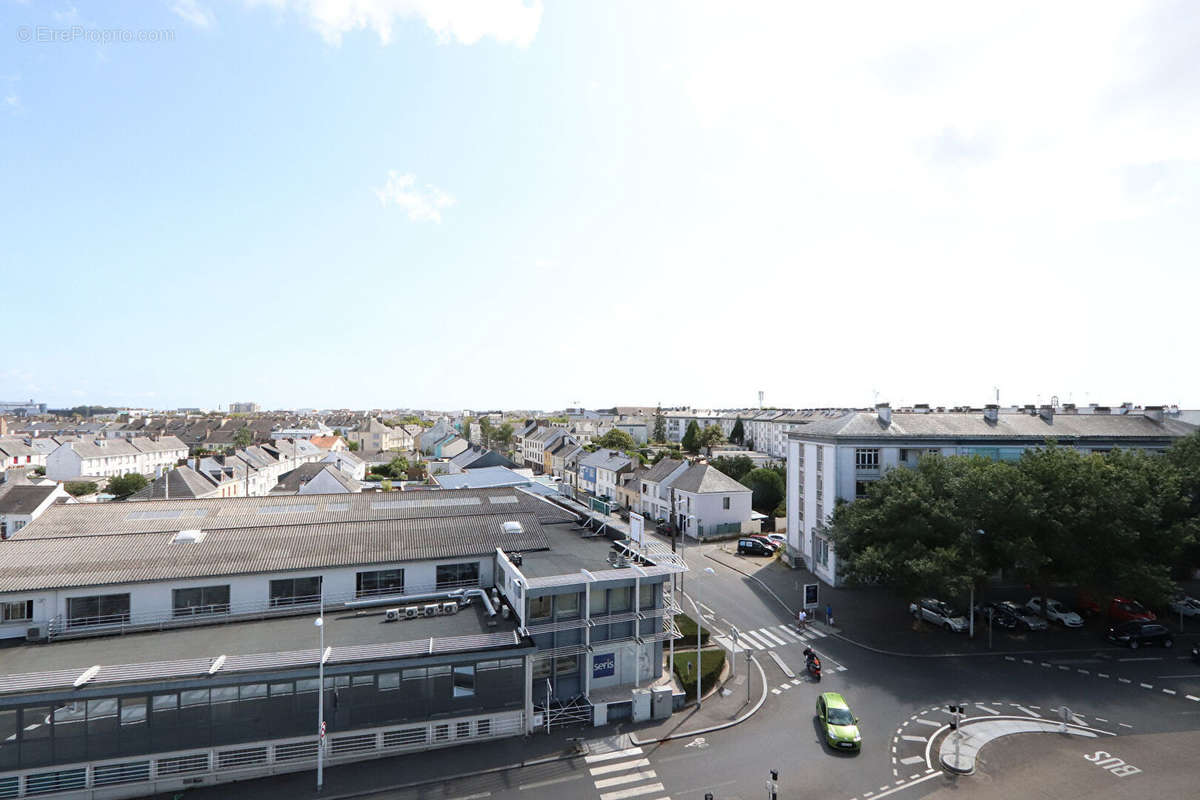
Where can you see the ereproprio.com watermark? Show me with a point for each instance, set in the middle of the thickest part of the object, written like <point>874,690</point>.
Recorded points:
<point>47,34</point>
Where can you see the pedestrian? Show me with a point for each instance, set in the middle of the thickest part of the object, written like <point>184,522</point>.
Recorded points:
<point>829,614</point>
<point>801,618</point>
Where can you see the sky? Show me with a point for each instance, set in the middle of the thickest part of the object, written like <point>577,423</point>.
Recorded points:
<point>504,204</point>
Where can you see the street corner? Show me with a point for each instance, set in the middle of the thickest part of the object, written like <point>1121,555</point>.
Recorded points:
<point>1062,765</point>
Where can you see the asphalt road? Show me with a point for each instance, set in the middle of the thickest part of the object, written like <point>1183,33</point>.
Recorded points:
<point>1138,703</point>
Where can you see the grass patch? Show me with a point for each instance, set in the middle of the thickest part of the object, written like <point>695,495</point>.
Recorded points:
<point>711,663</point>
<point>687,626</point>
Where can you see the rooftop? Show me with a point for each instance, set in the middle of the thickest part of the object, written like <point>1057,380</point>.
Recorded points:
<point>248,646</point>
<point>1008,425</point>
<point>24,499</point>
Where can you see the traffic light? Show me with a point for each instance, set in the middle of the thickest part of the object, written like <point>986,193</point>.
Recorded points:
<point>955,710</point>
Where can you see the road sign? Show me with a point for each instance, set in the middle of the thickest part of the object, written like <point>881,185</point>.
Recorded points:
<point>637,527</point>
<point>811,595</point>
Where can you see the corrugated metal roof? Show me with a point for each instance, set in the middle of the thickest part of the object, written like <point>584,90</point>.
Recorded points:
<point>56,563</point>
<point>1009,425</point>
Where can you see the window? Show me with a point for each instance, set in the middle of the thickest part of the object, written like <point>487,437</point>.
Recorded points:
<point>620,599</point>
<point>19,611</point>
<point>866,458</point>
<point>725,503</point>
<point>201,600</point>
<point>860,488</point>
<point>566,605</point>
<point>598,602</point>
<point>647,594</point>
<point>102,609</point>
<point>567,665</point>
<point>386,581</point>
<point>539,607</point>
<point>452,576</point>
<point>295,591</point>
<point>541,668</point>
<point>464,681</point>
<point>820,459</point>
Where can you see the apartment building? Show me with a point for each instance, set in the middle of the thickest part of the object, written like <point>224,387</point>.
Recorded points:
<point>108,458</point>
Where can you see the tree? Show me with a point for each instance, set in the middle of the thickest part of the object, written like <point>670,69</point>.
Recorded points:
<point>485,428</point>
<point>711,435</point>
<point>125,485</point>
<point>243,438</point>
<point>660,426</point>
<point>386,484</point>
<point>617,439</point>
<point>767,485</point>
<point>417,471</point>
<point>465,428</point>
<point>80,488</point>
<point>398,467</point>
<point>738,434</point>
<point>691,438</point>
<point>352,445</point>
<point>504,434</point>
<point>736,467</point>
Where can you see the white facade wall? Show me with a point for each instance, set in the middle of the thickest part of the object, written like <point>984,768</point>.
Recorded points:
<point>709,508</point>
<point>153,601</point>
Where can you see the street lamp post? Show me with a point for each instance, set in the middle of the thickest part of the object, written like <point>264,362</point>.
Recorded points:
<point>699,634</point>
<point>971,605</point>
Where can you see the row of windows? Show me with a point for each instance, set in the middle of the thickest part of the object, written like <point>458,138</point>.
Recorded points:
<point>107,727</point>
<point>603,601</point>
<point>111,609</point>
<point>866,458</point>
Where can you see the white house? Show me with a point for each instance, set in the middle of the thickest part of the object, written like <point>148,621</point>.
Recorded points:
<point>836,455</point>
<point>16,452</point>
<point>707,502</point>
<point>22,503</point>
<point>108,458</point>
<point>316,478</point>
<point>348,463</point>
<point>656,488</point>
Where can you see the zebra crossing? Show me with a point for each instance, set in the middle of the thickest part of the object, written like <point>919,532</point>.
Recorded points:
<point>768,638</point>
<point>623,773</point>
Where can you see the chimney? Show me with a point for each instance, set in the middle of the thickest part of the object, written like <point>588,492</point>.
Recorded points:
<point>991,413</point>
<point>1046,412</point>
<point>197,464</point>
<point>884,410</point>
<point>1154,414</point>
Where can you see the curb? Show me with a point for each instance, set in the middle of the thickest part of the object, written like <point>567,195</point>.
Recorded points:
<point>443,779</point>
<point>712,728</point>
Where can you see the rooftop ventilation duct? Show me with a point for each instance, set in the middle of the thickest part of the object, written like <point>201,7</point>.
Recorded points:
<point>513,527</point>
<point>1046,413</point>
<point>884,411</point>
<point>991,413</point>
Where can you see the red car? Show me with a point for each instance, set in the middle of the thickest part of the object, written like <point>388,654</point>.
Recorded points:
<point>1122,609</point>
<point>763,538</point>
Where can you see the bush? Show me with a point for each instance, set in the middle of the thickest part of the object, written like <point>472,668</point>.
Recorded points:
<point>711,664</point>
<point>687,626</point>
<point>80,488</point>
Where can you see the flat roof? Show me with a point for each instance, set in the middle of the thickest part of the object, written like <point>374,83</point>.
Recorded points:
<point>355,636</point>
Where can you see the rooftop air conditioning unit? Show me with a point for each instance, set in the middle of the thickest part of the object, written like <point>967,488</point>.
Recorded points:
<point>34,634</point>
<point>412,612</point>
<point>432,609</point>
<point>450,608</point>
<point>391,615</point>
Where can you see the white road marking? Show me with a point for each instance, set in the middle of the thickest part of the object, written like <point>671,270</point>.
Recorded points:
<point>1192,697</point>
<point>476,796</point>
<point>624,765</point>
<point>1146,685</point>
<point>911,738</point>
<point>1026,660</point>
<point>774,691</point>
<point>785,686</point>
<point>840,668</point>
<point>929,722</point>
<point>1101,719</point>
<point>789,633</point>
<point>816,632</point>
<point>982,707</point>
<point>632,751</point>
<point>1123,725</point>
<point>1102,674</point>
<point>1027,711</point>
<point>1077,720</point>
<point>1124,680</point>
<point>912,760</point>
<point>1064,667</point>
<point>1151,658</point>
<point>771,637</point>
<point>1192,675</point>
<point>795,681</point>
<point>1168,691</point>
<point>635,791</point>
<point>632,777</point>
<point>550,782</point>
<point>931,774</point>
<point>1083,672</point>
<point>1009,658</point>
<point>749,638</point>
<point>782,666</point>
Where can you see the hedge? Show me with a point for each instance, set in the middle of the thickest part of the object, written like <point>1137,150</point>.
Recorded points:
<point>687,626</point>
<point>711,662</point>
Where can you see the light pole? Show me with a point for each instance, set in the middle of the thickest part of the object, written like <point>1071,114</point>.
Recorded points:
<point>699,634</point>
<point>321,656</point>
<point>971,604</point>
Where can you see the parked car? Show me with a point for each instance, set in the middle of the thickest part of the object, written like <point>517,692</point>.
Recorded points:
<point>1187,606</point>
<point>778,539</point>
<point>1139,633</point>
<point>765,540</point>
<point>1122,609</point>
<point>1001,617</point>
<point>1055,612</point>
<point>753,547</point>
<point>838,722</point>
<point>939,613</point>
<point>1029,620</point>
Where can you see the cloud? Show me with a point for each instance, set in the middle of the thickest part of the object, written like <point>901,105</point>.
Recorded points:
<point>463,21</point>
<point>422,204</point>
<point>193,12</point>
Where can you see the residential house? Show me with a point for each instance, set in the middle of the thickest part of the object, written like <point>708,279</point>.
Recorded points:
<point>16,452</point>
<point>373,436</point>
<point>706,503</point>
<point>316,478</point>
<point>334,444</point>
<point>186,483</point>
<point>836,456</point>
<point>347,462</point>
<point>536,444</point>
<point>477,458</point>
<point>520,432</point>
<point>655,488</point>
<point>599,471</point>
<point>108,458</point>
<point>22,503</point>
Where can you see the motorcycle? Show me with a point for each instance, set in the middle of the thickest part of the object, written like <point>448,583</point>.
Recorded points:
<point>812,663</point>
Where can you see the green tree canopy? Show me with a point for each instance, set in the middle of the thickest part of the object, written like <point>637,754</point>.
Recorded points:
<point>691,438</point>
<point>767,485</point>
<point>243,438</point>
<point>736,467</point>
<point>504,434</point>
<point>711,435</point>
<point>660,426</point>
<point>80,488</point>
<point>738,434</point>
<point>125,485</point>
<point>617,439</point>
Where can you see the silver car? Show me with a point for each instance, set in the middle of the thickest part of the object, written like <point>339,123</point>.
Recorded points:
<point>939,614</point>
<point>1055,611</point>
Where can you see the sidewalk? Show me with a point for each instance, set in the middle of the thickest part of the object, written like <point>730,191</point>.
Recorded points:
<point>877,619</point>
